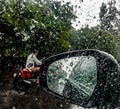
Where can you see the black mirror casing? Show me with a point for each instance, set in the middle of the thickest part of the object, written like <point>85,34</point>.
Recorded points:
<point>106,90</point>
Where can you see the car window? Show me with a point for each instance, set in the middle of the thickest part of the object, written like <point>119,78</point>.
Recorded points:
<point>53,27</point>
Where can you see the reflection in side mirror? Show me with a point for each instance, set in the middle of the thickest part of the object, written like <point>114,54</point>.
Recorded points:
<point>73,77</point>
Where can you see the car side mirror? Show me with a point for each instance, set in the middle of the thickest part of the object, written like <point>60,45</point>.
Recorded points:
<point>82,77</point>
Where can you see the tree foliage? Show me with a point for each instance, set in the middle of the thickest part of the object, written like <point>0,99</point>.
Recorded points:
<point>44,25</point>
<point>110,21</point>
<point>109,17</point>
<point>104,36</point>
<point>93,38</point>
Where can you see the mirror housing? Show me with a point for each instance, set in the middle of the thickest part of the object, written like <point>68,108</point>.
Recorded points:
<point>108,78</point>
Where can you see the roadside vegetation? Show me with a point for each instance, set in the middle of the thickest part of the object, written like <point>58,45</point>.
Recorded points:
<point>47,25</point>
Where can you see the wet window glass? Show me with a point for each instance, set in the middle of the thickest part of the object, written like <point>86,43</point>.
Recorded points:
<point>53,27</point>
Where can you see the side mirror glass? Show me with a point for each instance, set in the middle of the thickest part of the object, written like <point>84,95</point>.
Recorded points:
<point>73,77</point>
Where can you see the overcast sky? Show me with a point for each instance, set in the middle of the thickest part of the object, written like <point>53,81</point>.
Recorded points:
<point>87,11</point>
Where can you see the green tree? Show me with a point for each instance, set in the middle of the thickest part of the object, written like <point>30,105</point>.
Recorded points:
<point>93,38</point>
<point>42,24</point>
<point>110,21</point>
<point>55,28</point>
<point>9,39</point>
